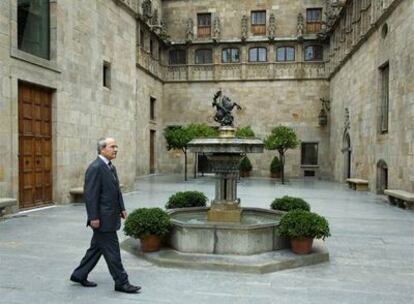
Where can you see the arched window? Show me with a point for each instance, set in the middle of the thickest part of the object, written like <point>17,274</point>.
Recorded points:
<point>313,53</point>
<point>258,54</point>
<point>203,56</point>
<point>230,55</point>
<point>285,53</point>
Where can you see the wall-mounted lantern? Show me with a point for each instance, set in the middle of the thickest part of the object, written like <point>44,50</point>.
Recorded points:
<point>323,114</point>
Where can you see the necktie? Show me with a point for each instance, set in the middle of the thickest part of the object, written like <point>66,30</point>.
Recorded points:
<point>112,168</point>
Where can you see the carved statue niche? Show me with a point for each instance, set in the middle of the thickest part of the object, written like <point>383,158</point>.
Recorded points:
<point>154,19</point>
<point>216,29</point>
<point>244,27</point>
<point>300,26</point>
<point>147,9</point>
<point>272,27</point>
<point>189,30</point>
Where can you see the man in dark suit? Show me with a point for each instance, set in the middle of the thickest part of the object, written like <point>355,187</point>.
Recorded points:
<point>105,207</point>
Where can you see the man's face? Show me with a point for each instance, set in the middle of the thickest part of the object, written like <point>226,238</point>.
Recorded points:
<point>110,150</point>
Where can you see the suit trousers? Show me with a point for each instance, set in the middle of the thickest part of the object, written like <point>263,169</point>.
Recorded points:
<point>106,244</point>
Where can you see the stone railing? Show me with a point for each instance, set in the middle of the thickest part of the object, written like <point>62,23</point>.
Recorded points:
<point>148,63</point>
<point>245,71</point>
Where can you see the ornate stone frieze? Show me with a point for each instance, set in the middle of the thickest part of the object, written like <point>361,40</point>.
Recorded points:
<point>147,10</point>
<point>272,27</point>
<point>244,27</point>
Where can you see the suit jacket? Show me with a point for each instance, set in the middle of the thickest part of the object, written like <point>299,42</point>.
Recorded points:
<point>103,197</point>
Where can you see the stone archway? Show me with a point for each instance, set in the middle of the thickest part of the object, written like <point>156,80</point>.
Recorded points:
<point>347,150</point>
<point>382,176</point>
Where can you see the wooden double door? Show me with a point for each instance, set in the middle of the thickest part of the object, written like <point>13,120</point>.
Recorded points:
<point>35,146</point>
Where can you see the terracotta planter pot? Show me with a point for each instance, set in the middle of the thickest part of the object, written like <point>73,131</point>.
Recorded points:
<point>301,246</point>
<point>244,173</point>
<point>150,243</point>
<point>275,174</point>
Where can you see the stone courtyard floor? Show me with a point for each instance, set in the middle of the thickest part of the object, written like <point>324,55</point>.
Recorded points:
<point>371,253</point>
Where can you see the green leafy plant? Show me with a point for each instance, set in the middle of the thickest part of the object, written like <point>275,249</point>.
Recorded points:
<point>298,224</point>
<point>186,199</point>
<point>245,132</point>
<point>245,164</point>
<point>275,165</point>
<point>281,139</point>
<point>288,203</point>
<point>178,137</point>
<point>147,221</point>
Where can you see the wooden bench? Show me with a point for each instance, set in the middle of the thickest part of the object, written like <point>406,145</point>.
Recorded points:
<point>77,194</point>
<point>357,184</point>
<point>403,199</point>
<point>6,205</point>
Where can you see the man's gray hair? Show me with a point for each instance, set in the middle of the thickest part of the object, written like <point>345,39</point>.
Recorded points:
<point>101,144</point>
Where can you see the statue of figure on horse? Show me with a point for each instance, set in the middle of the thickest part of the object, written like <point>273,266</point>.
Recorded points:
<point>224,106</point>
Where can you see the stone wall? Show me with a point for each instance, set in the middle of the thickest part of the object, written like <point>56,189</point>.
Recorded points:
<point>265,105</point>
<point>357,87</point>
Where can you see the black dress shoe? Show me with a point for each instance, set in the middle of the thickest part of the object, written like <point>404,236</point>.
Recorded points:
<point>128,288</point>
<point>84,283</point>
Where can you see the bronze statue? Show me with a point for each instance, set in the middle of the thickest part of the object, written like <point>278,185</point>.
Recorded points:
<point>224,106</point>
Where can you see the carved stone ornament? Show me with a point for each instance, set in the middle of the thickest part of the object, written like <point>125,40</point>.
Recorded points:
<point>300,25</point>
<point>244,27</point>
<point>272,26</point>
<point>216,28</point>
<point>147,9</point>
<point>189,30</point>
<point>347,124</point>
<point>154,19</point>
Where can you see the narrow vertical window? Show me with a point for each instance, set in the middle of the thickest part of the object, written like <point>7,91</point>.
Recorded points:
<point>107,74</point>
<point>152,47</point>
<point>141,38</point>
<point>152,108</point>
<point>313,20</point>
<point>204,25</point>
<point>33,27</point>
<point>385,74</point>
<point>258,22</point>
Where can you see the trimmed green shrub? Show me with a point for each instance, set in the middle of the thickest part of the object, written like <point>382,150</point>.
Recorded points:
<point>245,164</point>
<point>245,132</point>
<point>145,221</point>
<point>303,224</point>
<point>288,203</point>
<point>275,165</point>
<point>186,199</point>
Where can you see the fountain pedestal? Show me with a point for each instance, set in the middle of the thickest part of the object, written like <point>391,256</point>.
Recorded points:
<point>224,154</point>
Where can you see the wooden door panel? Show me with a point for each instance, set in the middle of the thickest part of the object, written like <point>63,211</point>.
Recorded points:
<point>35,146</point>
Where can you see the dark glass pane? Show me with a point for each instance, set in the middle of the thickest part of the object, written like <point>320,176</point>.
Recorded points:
<point>262,54</point>
<point>314,15</point>
<point>259,18</point>
<point>314,52</point>
<point>290,54</point>
<point>177,57</point>
<point>235,55</point>
<point>309,153</point>
<point>225,56</point>
<point>253,54</point>
<point>204,19</point>
<point>203,57</point>
<point>33,27</point>
<point>280,55</point>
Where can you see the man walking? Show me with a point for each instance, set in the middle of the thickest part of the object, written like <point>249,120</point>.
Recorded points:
<point>105,207</point>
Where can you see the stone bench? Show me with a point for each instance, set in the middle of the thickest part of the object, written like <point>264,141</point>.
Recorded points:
<point>7,205</point>
<point>76,194</point>
<point>403,199</point>
<point>357,184</point>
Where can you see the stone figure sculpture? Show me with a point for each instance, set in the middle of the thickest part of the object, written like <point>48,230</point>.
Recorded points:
<point>224,106</point>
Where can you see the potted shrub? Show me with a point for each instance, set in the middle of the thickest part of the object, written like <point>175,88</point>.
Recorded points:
<point>288,203</point>
<point>186,199</point>
<point>148,225</point>
<point>275,167</point>
<point>301,227</point>
<point>245,167</point>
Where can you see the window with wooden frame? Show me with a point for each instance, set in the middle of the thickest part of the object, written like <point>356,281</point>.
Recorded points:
<point>258,22</point>
<point>230,55</point>
<point>203,56</point>
<point>204,25</point>
<point>313,53</point>
<point>177,57</point>
<point>285,53</point>
<point>313,20</point>
<point>384,108</point>
<point>258,54</point>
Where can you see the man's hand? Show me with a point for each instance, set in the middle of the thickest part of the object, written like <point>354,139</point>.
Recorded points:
<point>124,214</point>
<point>95,223</point>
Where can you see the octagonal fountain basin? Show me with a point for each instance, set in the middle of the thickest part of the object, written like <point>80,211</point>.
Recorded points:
<point>256,233</point>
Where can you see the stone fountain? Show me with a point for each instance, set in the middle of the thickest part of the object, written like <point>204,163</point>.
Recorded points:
<point>227,236</point>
